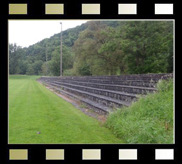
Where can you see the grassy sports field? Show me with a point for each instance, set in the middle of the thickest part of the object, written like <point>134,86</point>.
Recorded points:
<point>33,108</point>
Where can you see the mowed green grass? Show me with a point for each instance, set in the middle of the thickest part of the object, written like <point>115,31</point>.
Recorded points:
<point>34,108</point>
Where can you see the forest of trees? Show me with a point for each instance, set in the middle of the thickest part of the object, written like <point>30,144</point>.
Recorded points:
<point>99,48</point>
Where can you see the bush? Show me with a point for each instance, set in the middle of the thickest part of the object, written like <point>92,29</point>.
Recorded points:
<point>149,120</point>
<point>68,72</point>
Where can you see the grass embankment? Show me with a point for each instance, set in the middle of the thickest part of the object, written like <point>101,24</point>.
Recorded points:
<point>149,120</point>
<point>33,108</point>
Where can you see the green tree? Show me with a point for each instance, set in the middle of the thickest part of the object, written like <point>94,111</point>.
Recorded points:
<point>37,65</point>
<point>23,67</point>
<point>14,57</point>
<point>98,47</point>
<point>30,70</point>
<point>67,60</point>
<point>145,46</point>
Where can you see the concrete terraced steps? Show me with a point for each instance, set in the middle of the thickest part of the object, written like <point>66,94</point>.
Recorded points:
<point>94,97</point>
<point>140,83</point>
<point>103,109</point>
<point>109,93</point>
<point>105,93</point>
<point>115,88</point>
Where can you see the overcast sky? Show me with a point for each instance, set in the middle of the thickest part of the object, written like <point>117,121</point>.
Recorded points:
<point>28,32</point>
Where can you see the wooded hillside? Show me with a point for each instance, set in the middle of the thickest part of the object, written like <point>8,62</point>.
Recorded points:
<point>99,48</point>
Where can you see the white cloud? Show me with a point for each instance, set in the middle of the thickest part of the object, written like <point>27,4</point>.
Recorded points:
<point>28,32</point>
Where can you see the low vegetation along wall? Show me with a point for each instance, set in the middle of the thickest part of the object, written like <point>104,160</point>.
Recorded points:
<point>148,120</point>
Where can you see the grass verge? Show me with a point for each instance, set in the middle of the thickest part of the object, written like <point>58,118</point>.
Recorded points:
<point>149,120</point>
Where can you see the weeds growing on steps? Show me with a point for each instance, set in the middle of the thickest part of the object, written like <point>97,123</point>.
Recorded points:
<point>149,120</point>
